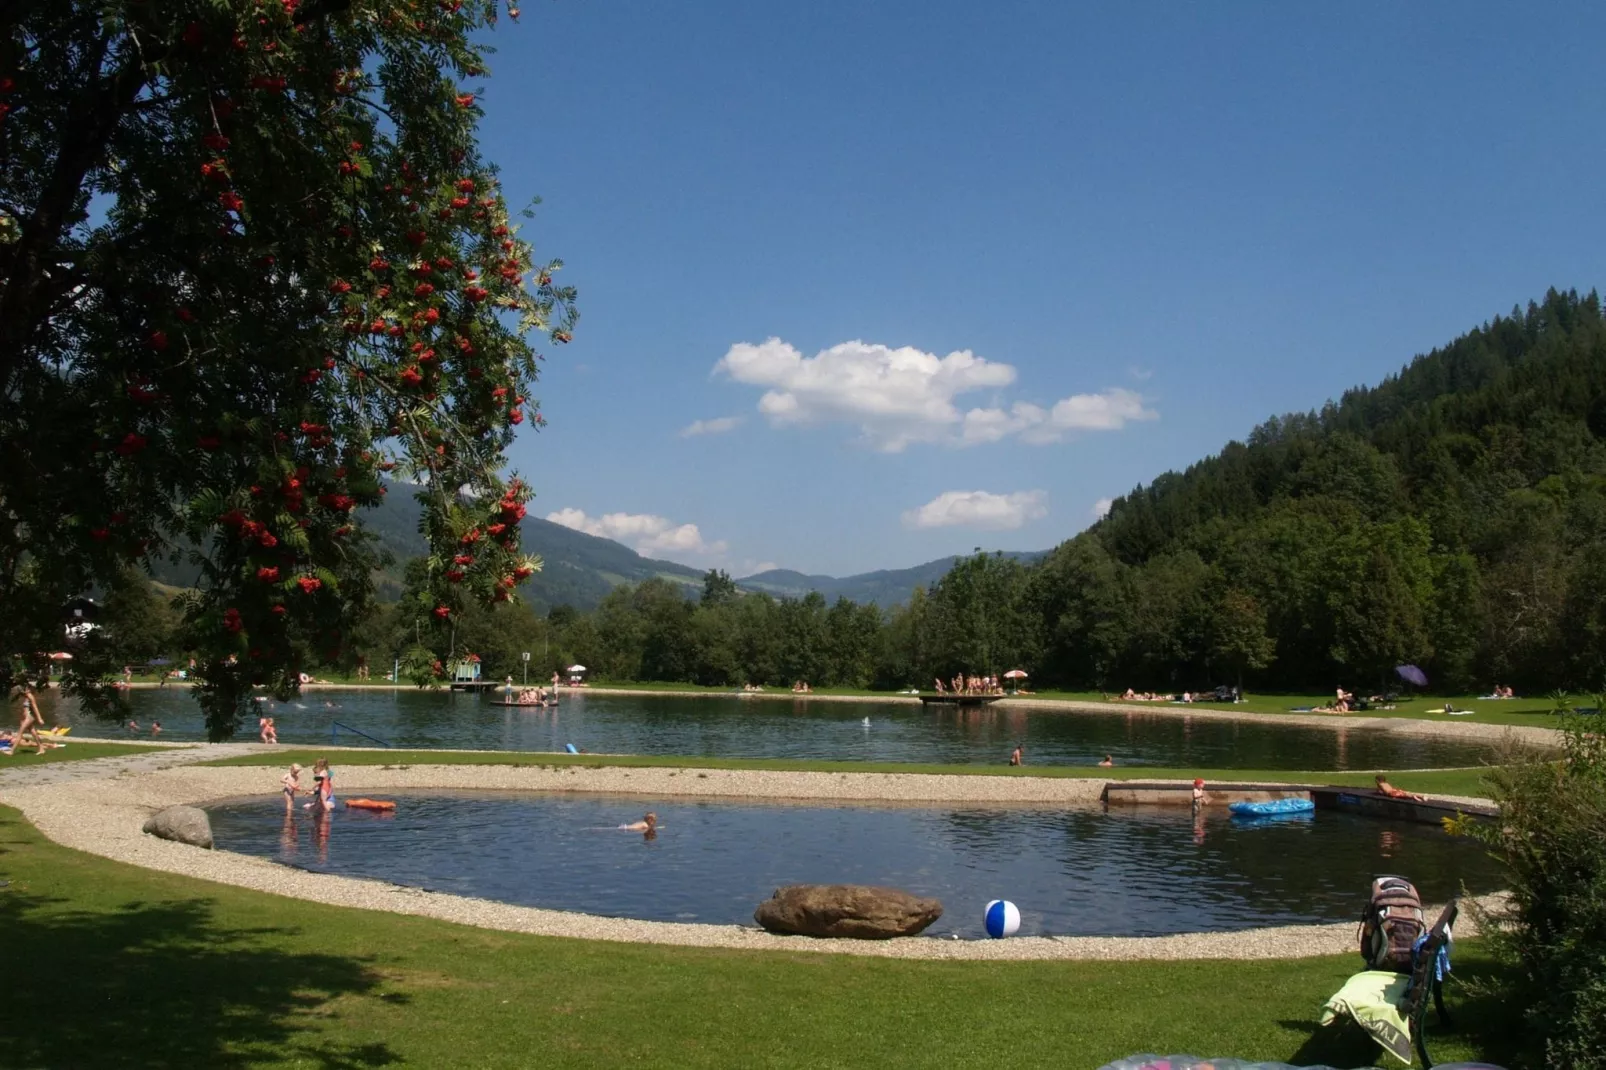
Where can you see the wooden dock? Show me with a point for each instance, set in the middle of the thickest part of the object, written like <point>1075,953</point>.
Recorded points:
<point>963,701</point>
<point>476,685</point>
<point>1326,797</point>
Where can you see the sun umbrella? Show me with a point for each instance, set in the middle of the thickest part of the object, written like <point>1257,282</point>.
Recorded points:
<point>575,668</point>
<point>1412,675</point>
<point>1015,674</point>
<point>61,655</point>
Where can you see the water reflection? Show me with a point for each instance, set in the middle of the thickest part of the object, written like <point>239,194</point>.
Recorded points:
<point>724,727</point>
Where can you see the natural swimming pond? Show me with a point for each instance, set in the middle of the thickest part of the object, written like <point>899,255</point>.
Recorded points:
<point>1080,871</point>
<point>727,727</point>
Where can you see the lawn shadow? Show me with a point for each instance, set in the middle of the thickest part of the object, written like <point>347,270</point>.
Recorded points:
<point>164,984</point>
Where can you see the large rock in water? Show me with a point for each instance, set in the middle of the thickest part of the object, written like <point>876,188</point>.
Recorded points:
<point>859,911</point>
<point>184,824</point>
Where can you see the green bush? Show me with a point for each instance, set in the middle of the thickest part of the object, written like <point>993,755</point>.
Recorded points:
<point>1552,839</point>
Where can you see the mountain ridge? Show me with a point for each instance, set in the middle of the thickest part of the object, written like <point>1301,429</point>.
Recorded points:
<point>579,569</point>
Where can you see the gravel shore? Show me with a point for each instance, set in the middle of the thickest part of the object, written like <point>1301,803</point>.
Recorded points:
<point>99,806</point>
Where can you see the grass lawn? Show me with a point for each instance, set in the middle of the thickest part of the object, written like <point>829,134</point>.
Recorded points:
<point>144,969</point>
<point>1445,781</point>
<point>74,751</point>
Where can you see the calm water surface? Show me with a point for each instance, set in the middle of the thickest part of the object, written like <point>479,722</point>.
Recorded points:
<point>1072,872</point>
<point>726,727</point>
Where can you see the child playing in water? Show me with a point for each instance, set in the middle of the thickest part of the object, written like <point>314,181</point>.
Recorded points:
<point>292,786</point>
<point>323,785</point>
<point>1198,795</point>
<point>267,733</point>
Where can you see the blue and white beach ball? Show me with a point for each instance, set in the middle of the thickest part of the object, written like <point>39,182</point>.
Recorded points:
<point>1002,918</point>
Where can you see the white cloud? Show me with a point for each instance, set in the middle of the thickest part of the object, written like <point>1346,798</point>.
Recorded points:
<point>895,396</point>
<point>979,509</point>
<point>648,535</point>
<point>901,396</point>
<point>717,426</point>
<point>1101,508</point>
<point>1107,411</point>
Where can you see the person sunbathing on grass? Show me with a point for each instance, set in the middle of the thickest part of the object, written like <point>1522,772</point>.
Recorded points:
<point>1385,788</point>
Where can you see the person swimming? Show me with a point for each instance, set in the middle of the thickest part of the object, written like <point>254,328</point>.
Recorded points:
<point>648,823</point>
<point>1108,761</point>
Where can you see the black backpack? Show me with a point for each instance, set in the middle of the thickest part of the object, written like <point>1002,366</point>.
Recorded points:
<point>1391,924</point>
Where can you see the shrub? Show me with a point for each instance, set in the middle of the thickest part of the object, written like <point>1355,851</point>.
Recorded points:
<point>1551,837</point>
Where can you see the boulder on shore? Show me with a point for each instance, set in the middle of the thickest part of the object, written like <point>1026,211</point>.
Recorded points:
<point>182,824</point>
<point>857,911</point>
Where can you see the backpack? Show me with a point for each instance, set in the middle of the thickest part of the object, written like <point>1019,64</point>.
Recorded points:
<point>1391,924</point>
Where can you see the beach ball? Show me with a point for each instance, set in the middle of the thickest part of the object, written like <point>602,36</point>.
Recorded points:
<point>1002,918</point>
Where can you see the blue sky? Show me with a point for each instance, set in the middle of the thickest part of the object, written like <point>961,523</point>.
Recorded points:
<point>1015,257</point>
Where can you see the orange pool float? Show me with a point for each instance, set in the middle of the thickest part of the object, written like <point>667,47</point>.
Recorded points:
<point>369,804</point>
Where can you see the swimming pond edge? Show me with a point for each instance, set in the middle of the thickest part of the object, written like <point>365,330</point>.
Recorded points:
<point>100,806</point>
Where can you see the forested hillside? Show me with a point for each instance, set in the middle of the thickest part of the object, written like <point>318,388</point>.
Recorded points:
<point>1453,516</point>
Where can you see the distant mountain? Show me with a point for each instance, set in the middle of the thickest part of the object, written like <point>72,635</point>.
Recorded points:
<point>578,569</point>
<point>885,587</point>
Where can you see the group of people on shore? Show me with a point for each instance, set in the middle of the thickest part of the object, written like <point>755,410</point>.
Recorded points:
<point>530,696</point>
<point>1220,694</point>
<point>970,685</point>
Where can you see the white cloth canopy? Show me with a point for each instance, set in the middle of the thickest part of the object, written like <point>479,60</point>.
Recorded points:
<point>575,668</point>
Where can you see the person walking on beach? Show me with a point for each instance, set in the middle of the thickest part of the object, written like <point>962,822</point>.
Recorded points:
<point>31,720</point>
<point>1017,756</point>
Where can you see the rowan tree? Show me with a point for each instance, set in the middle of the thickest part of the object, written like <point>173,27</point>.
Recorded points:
<point>252,258</point>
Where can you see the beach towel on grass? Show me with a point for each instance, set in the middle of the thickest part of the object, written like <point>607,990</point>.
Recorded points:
<point>1373,998</point>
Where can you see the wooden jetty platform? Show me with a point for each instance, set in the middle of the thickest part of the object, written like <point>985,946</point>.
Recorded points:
<point>524,705</point>
<point>1326,797</point>
<point>959,700</point>
<point>476,685</point>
